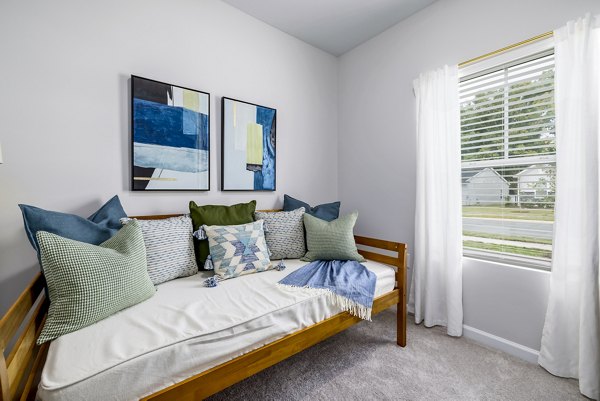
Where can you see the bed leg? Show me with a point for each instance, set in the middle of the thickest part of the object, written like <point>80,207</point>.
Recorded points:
<point>401,318</point>
<point>401,307</point>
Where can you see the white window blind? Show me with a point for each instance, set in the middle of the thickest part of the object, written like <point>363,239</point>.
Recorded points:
<point>508,161</point>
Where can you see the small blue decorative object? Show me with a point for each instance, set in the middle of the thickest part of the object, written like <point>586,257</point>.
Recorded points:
<point>280,266</point>
<point>208,264</point>
<point>200,234</point>
<point>211,282</point>
<point>265,227</point>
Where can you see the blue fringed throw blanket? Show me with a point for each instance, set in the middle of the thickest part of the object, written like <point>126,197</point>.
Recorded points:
<point>350,285</point>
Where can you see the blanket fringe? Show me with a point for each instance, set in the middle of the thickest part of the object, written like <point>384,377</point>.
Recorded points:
<point>345,304</point>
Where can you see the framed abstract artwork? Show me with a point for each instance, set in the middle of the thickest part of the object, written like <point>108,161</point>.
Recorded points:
<point>170,134</point>
<point>248,150</point>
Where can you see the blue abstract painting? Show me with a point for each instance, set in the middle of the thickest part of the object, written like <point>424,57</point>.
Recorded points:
<point>170,127</point>
<point>248,146</point>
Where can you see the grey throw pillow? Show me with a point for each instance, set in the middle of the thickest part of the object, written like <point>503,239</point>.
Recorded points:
<point>88,283</point>
<point>169,247</point>
<point>331,240</point>
<point>284,232</point>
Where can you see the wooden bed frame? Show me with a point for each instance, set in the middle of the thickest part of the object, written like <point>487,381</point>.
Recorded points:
<point>20,371</point>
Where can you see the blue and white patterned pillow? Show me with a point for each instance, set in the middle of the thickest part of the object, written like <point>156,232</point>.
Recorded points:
<point>238,250</point>
<point>169,247</point>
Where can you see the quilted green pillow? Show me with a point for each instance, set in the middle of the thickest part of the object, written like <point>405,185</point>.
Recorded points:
<point>218,215</point>
<point>88,283</point>
<point>331,240</point>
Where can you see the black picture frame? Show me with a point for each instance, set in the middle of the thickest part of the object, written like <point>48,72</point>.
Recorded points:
<point>147,93</point>
<point>226,137</point>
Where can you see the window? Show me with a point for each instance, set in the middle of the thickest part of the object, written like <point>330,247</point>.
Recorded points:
<point>508,161</point>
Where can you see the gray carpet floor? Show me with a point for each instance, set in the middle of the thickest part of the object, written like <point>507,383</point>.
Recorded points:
<point>364,363</point>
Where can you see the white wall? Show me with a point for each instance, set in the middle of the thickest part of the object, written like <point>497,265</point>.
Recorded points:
<point>64,105</point>
<point>506,301</point>
<point>377,137</point>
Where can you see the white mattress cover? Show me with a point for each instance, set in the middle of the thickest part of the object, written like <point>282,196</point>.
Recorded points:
<point>182,330</point>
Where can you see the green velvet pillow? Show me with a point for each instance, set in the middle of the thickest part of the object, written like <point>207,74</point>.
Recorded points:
<point>218,215</point>
<point>331,240</point>
<point>88,283</point>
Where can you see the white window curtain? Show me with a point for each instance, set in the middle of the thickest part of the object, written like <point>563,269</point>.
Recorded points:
<point>571,336</point>
<point>436,291</point>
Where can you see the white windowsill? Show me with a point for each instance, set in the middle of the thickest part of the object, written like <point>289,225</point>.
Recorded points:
<point>509,260</point>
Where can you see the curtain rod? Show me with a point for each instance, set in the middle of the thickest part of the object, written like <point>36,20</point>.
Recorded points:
<point>507,48</point>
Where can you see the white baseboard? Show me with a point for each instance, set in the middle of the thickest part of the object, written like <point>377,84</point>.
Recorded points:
<point>502,344</point>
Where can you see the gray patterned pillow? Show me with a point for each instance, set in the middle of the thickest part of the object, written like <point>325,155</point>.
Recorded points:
<point>284,232</point>
<point>88,283</point>
<point>169,247</point>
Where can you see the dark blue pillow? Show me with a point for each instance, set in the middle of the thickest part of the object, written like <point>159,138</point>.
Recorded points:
<point>326,211</point>
<point>96,229</point>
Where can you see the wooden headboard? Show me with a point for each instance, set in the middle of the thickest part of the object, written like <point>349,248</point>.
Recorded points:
<point>166,216</point>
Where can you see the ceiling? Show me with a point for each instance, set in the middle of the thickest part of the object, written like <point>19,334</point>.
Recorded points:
<point>335,26</point>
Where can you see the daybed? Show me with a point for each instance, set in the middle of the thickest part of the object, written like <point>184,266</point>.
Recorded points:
<point>187,342</point>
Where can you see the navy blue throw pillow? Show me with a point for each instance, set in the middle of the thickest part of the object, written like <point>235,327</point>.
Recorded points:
<point>96,229</point>
<point>326,211</point>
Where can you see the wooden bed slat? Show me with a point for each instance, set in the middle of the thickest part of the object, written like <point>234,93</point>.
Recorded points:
<point>30,388</point>
<point>25,348</point>
<point>15,369</point>
<point>377,243</point>
<point>385,259</point>
<point>13,319</point>
<point>4,388</point>
<point>27,337</point>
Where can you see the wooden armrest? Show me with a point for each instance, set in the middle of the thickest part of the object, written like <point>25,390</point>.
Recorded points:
<point>17,370</point>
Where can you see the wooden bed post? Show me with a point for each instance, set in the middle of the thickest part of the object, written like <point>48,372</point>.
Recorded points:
<point>399,260</point>
<point>401,308</point>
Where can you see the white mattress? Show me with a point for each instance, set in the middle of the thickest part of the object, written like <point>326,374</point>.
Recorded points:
<point>182,330</point>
